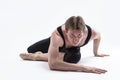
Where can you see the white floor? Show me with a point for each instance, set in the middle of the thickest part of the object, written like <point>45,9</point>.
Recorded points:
<point>14,68</point>
<point>23,22</point>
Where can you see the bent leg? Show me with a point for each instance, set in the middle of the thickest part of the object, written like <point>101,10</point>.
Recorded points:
<point>38,56</point>
<point>41,45</point>
<point>40,50</point>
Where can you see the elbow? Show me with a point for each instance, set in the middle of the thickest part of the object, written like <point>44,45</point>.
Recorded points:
<point>53,65</point>
<point>99,35</point>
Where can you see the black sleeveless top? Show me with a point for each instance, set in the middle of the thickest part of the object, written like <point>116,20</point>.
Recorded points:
<point>72,54</point>
<point>62,49</point>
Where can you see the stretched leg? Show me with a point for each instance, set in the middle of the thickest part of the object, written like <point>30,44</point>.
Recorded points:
<point>37,56</point>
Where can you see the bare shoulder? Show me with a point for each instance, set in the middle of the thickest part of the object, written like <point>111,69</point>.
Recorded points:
<point>56,39</point>
<point>95,33</point>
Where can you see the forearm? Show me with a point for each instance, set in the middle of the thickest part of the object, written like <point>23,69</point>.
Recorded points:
<point>61,65</point>
<point>76,67</point>
<point>96,45</point>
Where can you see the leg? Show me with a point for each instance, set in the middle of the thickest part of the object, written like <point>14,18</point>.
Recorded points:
<point>72,55</point>
<point>39,49</point>
<point>38,56</point>
<point>42,46</point>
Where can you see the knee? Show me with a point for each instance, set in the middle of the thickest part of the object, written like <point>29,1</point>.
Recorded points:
<point>29,50</point>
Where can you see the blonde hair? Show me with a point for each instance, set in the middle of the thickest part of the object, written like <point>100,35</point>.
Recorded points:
<point>75,23</point>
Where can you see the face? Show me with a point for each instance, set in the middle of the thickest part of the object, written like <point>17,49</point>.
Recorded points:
<point>74,36</point>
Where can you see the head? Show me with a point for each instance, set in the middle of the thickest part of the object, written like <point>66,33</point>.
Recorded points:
<point>75,27</point>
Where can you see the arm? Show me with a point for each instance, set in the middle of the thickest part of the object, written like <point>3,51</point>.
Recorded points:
<point>96,42</point>
<point>55,60</point>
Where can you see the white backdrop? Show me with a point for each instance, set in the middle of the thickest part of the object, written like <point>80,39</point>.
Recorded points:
<point>23,22</point>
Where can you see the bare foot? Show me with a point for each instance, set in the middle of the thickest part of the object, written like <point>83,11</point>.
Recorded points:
<point>29,56</point>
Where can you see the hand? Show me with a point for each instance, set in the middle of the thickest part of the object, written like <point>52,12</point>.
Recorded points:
<point>95,70</point>
<point>102,55</point>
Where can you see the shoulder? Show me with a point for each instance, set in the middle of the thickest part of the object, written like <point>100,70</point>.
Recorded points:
<point>56,39</point>
<point>95,33</point>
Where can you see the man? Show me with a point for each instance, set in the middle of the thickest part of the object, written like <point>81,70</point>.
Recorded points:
<point>62,49</point>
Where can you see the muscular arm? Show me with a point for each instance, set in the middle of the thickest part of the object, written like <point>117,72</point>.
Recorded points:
<point>55,60</point>
<point>96,36</point>
<point>96,43</point>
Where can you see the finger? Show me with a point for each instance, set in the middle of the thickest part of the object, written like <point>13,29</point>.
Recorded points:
<point>100,71</point>
<point>102,55</point>
<point>107,55</point>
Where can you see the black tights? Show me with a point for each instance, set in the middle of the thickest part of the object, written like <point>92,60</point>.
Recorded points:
<point>42,46</point>
<point>71,55</point>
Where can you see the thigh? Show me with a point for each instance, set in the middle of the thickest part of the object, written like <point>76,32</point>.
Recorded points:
<point>72,55</point>
<point>41,45</point>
